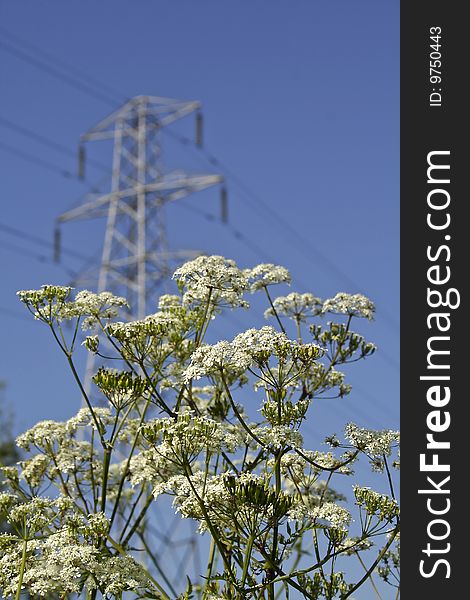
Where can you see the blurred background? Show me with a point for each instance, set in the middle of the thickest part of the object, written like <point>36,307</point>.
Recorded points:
<point>300,117</point>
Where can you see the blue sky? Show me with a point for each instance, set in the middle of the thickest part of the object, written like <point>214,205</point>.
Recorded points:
<point>301,104</point>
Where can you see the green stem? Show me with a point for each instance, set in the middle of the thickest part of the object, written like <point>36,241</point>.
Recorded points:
<point>126,469</point>
<point>138,521</point>
<point>246,562</point>
<point>77,379</point>
<point>389,476</point>
<point>374,564</point>
<point>335,356</point>
<point>156,564</point>
<point>106,461</point>
<point>277,474</point>
<point>238,415</point>
<point>212,529</point>
<point>22,569</point>
<point>274,310</point>
<point>122,552</point>
<point>299,330</point>
<point>370,576</point>
<point>210,564</point>
<point>99,426</point>
<point>200,333</point>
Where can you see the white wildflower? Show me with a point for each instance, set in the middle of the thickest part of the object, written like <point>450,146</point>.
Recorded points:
<point>44,433</point>
<point>212,276</point>
<point>374,443</point>
<point>34,469</point>
<point>168,301</point>
<point>210,359</point>
<point>279,436</point>
<point>336,516</point>
<point>295,306</point>
<point>45,302</point>
<point>381,505</point>
<point>119,574</point>
<point>188,435</point>
<point>254,346</point>
<point>355,305</point>
<point>93,307</point>
<point>267,274</point>
<point>260,341</point>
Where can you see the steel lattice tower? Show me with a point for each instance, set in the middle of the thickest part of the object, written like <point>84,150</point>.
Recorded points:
<point>135,257</point>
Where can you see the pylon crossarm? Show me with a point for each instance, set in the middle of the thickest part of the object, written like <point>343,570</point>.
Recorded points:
<point>154,105</point>
<point>85,210</point>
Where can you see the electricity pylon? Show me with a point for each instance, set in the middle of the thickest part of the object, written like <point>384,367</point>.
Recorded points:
<point>135,256</point>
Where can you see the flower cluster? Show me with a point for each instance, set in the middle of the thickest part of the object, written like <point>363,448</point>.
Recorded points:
<point>383,506</point>
<point>187,436</point>
<point>245,476</point>
<point>336,516</point>
<point>295,306</point>
<point>49,433</point>
<point>52,302</point>
<point>212,277</point>
<point>121,388</point>
<point>374,443</point>
<point>245,499</point>
<point>355,305</point>
<point>267,274</point>
<point>252,347</point>
<point>94,307</point>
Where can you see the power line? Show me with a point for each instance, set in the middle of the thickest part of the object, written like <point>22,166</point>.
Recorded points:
<point>62,64</point>
<point>39,257</point>
<point>47,142</point>
<point>53,167</point>
<point>304,246</point>
<point>24,235</point>
<point>235,232</point>
<point>40,162</point>
<point>40,64</point>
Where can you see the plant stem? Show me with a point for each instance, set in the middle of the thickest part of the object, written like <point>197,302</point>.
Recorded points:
<point>200,333</point>
<point>246,562</point>
<point>22,569</point>
<point>210,564</point>
<point>98,425</point>
<point>375,563</point>
<point>106,461</point>
<point>238,415</point>
<point>277,475</point>
<point>156,564</point>
<point>126,469</point>
<point>122,552</point>
<point>274,310</point>
<point>138,521</point>
<point>370,575</point>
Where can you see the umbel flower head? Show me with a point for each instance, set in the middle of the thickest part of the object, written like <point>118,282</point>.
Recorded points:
<point>216,276</point>
<point>252,347</point>
<point>52,302</point>
<point>267,274</point>
<point>295,306</point>
<point>355,305</point>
